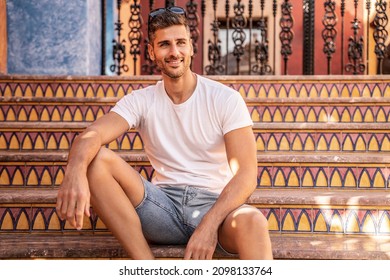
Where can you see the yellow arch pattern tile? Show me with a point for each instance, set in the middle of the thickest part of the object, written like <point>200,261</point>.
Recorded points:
<point>322,116</point>
<point>311,117</point>
<point>297,144</point>
<point>49,91</point>
<point>384,226</point>
<point>137,143</point>
<point>357,117</point>
<point>89,92</point>
<point>279,179</point>
<point>80,91</point>
<point>278,116</point>
<point>100,92</point>
<point>100,113</point>
<point>379,180</point>
<point>69,92</point>
<point>45,117</point>
<point>27,143</point>
<point>273,222</point>
<point>51,143</point>
<point>355,92</point>
<point>67,115</point>
<point>366,91</point>
<point>313,92</point>
<point>360,144</point>
<point>304,223</point>
<point>251,92</point>
<point>272,92</point>
<point>288,223</point>
<point>2,118</point>
<point>334,92</point>
<point>22,116</point>
<point>334,116</point>
<point>17,179</point>
<point>14,143</point>
<point>59,177</point>
<point>18,91</point>
<point>113,145</point>
<point>33,115</point>
<point>267,116</point>
<point>125,144</point>
<point>334,144</point>
<point>23,223</point>
<point>78,115</point>
<point>373,145</point>
<point>369,116</point>
<point>381,116</point>
<point>300,117</point>
<point>46,178</point>
<point>350,180</point>
<point>324,92</point>
<point>89,115</point>
<point>348,145</point>
<point>7,223</point>
<point>293,180</point>
<point>289,116</point>
<point>321,180</point>
<point>368,224</point>
<point>260,144</point>
<point>272,144</point>
<point>54,223</point>
<point>386,92</point>
<point>335,181</point>
<point>345,91</point>
<point>376,92</point>
<point>262,92</point>
<point>64,143</point>
<point>110,92</point>
<point>309,144</point>
<point>308,180</point>
<point>320,224</point>
<point>265,180</point>
<point>346,117</point>
<point>352,224</point>
<point>282,92</point>
<point>32,178</point>
<point>292,92</point>
<point>56,116</point>
<point>4,178</point>
<point>59,92</point>
<point>10,115</point>
<point>303,92</point>
<point>3,143</point>
<point>284,144</point>
<point>385,147</point>
<point>39,91</point>
<point>39,222</point>
<point>121,92</point>
<point>322,145</point>
<point>255,115</point>
<point>7,91</point>
<point>365,181</point>
<point>336,224</point>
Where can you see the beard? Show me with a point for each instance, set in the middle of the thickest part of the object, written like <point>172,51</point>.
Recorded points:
<point>174,73</point>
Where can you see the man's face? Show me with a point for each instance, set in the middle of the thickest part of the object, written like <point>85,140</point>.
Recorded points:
<point>172,51</point>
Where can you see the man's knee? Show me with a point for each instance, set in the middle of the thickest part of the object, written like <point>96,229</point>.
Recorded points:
<point>250,220</point>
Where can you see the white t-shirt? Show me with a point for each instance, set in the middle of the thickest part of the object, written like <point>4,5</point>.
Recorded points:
<point>184,142</point>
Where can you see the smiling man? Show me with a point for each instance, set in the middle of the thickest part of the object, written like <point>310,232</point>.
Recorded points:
<point>197,134</point>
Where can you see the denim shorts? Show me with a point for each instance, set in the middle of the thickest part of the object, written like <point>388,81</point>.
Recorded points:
<point>169,215</point>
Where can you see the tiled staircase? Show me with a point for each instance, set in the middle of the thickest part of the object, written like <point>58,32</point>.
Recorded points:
<point>323,163</point>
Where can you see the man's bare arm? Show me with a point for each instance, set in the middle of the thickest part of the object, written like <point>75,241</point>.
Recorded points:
<point>241,152</point>
<point>73,199</point>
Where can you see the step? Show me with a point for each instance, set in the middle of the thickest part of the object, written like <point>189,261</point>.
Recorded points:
<point>303,211</point>
<point>261,110</point>
<point>365,170</point>
<point>269,136</point>
<point>308,247</point>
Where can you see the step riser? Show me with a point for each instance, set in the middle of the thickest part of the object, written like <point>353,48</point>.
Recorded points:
<point>351,176</point>
<point>283,87</point>
<point>348,113</point>
<point>281,218</point>
<point>266,141</point>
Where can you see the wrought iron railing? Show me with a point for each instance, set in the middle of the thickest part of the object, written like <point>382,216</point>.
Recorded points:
<point>265,37</point>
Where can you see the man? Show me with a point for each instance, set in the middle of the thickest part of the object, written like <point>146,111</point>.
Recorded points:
<point>198,136</point>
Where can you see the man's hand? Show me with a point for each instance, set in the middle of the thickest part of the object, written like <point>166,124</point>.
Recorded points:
<point>202,243</point>
<point>73,199</point>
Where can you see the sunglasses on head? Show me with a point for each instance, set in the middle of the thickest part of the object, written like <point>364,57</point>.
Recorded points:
<point>159,11</point>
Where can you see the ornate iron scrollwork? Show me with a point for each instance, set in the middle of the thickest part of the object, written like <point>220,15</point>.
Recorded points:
<point>355,47</point>
<point>239,36</point>
<point>214,48</point>
<point>148,68</point>
<point>261,47</point>
<point>193,22</point>
<point>135,34</point>
<point>329,33</point>
<point>286,35</point>
<point>119,47</point>
<point>380,33</point>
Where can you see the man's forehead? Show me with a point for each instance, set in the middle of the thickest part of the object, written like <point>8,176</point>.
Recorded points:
<point>175,32</point>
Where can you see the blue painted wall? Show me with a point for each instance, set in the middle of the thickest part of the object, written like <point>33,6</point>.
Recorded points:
<point>54,37</point>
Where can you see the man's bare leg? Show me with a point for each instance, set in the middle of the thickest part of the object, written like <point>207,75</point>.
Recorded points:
<point>245,231</point>
<point>115,189</point>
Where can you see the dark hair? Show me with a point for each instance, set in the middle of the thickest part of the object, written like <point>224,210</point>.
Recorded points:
<point>164,20</point>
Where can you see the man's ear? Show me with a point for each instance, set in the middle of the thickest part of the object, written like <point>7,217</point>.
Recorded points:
<point>151,52</point>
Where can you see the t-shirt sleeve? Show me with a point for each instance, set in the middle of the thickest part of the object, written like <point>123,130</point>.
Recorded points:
<point>236,114</point>
<point>130,108</point>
